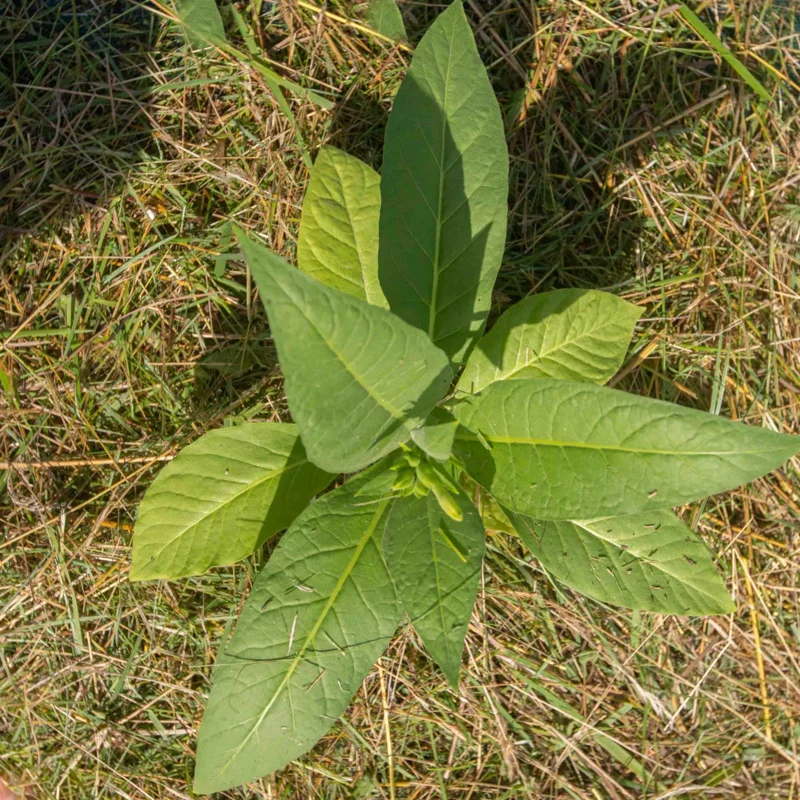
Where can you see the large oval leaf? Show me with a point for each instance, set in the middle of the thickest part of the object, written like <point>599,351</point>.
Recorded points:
<point>222,497</point>
<point>560,450</point>
<point>338,241</point>
<point>646,561</point>
<point>570,334</point>
<point>319,615</point>
<point>358,379</point>
<point>435,563</point>
<point>444,190</point>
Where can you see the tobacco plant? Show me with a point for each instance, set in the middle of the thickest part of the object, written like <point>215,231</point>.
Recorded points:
<point>389,302</point>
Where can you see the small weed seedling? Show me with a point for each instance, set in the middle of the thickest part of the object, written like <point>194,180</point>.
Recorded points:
<point>389,302</point>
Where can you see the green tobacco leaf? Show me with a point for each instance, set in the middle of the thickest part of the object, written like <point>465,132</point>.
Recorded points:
<point>646,561</point>
<point>338,241</point>
<point>571,334</point>
<point>384,17</point>
<point>560,450</point>
<point>436,436</point>
<point>202,22</point>
<point>444,189</point>
<point>319,615</point>
<point>222,497</point>
<point>435,563</point>
<point>358,379</point>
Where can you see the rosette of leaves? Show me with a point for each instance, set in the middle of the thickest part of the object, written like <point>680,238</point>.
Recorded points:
<point>388,305</point>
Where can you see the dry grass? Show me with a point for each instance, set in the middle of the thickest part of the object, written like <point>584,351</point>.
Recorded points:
<point>128,327</point>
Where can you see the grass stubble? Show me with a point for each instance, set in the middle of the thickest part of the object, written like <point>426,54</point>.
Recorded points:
<point>641,163</point>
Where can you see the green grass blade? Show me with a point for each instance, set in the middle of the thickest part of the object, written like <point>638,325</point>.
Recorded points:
<point>722,49</point>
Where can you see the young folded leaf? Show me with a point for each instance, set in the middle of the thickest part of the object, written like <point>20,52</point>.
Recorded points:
<point>444,190</point>
<point>435,563</point>
<point>492,514</point>
<point>651,561</point>
<point>318,617</point>
<point>338,241</point>
<point>221,498</point>
<point>358,379</point>
<point>384,17</point>
<point>571,334</point>
<point>562,450</point>
<point>436,436</point>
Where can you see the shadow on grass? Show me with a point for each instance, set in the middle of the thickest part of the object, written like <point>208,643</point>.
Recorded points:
<point>576,148</point>
<point>576,129</point>
<point>74,77</point>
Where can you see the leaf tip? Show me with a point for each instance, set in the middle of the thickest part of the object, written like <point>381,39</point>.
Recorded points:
<point>140,572</point>
<point>451,673</point>
<point>139,568</point>
<point>728,605</point>
<point>201,785</point>
<point>135,577</point>
<point>241,236</point>
<point>209,771</point>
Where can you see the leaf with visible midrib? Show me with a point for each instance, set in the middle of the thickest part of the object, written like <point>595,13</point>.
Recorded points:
<point>444,189</point>
<point>338,241</point>
<point>570,334</point>
<point>358,379</point>
<point>435,563</point>
<point>319,615</point>
<point>560,450</point>
<point>651,561</point>
<point>222,497</point>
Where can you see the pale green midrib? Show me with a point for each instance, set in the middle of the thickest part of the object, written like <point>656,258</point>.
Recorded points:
<point>658,565</point>
<point>388,408</point>
<point>548,354</point>
<point>327,271</point>
<point>439,593</point>
<point>364,260</point>
<point>356,240</point>
<point>432,308</point>
<point>473,437</point>
<point>362,543</point>
<point>478,385</point>
<point>249,488</point>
